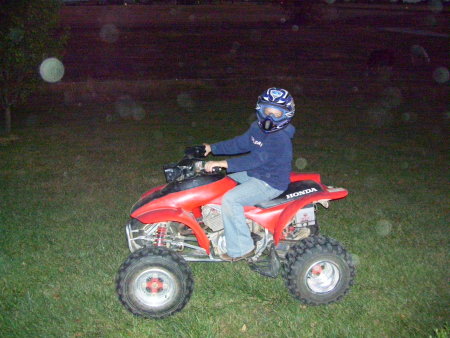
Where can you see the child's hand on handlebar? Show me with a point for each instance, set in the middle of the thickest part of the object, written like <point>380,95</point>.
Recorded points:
<point>211,164</point>
<point>207,149</point>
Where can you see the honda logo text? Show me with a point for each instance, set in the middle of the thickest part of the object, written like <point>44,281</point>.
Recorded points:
<point>301,193</point>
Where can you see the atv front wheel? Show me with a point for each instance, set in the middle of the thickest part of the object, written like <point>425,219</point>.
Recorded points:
<point>154,282</point>
<point>318,271</point>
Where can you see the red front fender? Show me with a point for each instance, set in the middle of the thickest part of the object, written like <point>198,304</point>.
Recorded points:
<point>177,215</point>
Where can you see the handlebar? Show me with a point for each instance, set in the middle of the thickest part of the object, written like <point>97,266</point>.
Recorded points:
<point>187,168</point>
<point>195,152</point>
<point>200,167</point>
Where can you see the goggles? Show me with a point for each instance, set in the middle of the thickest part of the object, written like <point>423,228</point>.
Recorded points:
<point>261,112</point>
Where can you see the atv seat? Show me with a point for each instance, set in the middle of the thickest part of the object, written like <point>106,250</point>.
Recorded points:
<point>295,191</point>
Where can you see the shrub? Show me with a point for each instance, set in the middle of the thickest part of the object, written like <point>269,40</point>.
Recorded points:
<point>29,33</point>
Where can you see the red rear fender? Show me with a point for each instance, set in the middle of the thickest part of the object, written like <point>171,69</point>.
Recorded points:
<point>305,176</point>
<point>177,215</point>
<point>289,212</point>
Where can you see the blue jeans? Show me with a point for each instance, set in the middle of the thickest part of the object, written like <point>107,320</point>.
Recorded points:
<point>249,192</point>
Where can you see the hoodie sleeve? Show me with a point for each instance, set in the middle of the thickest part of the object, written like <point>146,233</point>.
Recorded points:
<point>265,157</point>
<point>238,145</point>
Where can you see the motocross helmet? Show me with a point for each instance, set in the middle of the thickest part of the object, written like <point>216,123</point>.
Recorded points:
<point>279,99</point>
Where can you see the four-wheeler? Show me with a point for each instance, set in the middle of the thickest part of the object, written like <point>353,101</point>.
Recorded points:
<point>180,222</point>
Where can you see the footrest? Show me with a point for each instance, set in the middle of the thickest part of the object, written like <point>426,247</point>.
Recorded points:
<point>267,265</point>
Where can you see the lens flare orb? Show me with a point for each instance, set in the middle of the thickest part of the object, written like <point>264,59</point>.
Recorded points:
<point>51,70</point>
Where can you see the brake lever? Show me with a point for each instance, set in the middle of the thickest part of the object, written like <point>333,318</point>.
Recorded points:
<point>199,166</point>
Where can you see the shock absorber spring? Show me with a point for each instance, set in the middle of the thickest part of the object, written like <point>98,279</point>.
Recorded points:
<point>161,235</point>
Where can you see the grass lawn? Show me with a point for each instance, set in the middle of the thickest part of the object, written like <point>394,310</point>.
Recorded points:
<point>66,187</point>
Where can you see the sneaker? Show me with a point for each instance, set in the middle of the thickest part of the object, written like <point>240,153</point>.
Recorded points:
<point>227,258</point>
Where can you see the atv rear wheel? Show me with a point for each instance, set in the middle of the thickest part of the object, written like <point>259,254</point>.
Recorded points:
<point>154,282</point>
<point>318,271</point>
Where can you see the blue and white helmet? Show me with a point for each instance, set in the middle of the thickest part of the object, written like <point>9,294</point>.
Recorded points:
<point>277,98</point>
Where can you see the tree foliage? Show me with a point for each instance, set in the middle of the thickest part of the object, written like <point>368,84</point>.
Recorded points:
<point>29,33</point>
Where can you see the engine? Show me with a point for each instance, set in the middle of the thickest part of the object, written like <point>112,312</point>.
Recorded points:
<point>212,218</point>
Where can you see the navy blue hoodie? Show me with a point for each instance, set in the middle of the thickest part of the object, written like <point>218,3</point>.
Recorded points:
<point>268,156</point>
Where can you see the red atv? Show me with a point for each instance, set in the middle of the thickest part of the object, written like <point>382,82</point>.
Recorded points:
<point>181,222</point>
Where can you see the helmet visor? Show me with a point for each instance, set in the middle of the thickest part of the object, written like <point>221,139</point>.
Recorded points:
<point>274,112</point>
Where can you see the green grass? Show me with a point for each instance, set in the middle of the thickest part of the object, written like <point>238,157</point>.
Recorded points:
<point>66,187</point>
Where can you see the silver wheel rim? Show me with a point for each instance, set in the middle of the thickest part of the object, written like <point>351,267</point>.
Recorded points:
<point>155,287</point>
<point>322,276</point>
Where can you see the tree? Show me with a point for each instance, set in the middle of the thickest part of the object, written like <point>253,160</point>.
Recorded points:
<point>29,33</point>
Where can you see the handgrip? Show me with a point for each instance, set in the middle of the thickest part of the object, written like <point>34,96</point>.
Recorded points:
<point>217,170</point>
